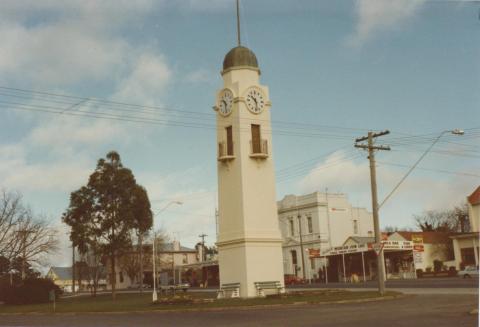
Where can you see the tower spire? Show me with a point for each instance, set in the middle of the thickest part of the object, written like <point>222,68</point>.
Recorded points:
<point>238,23</point>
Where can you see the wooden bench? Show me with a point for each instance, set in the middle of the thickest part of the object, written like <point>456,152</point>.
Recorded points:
<point>232,288</point>
<point>272,285</point>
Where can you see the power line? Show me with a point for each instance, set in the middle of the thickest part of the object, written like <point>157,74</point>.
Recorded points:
<point>430,169</point>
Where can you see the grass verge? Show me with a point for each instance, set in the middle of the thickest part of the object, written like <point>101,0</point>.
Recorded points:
<point>193,300</point>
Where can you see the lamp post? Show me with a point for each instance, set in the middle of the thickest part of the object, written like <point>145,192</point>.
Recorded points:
<point>456,131</point>
<point>154,294</point>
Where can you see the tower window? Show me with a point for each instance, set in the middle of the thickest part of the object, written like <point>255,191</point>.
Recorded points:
<point>310,225</point>
<point>228,129</point>
<point>355,227</point>
<point>292,227</point>
<point>256,148</point>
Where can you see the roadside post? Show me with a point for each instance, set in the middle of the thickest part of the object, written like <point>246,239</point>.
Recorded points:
<point>51,296</point>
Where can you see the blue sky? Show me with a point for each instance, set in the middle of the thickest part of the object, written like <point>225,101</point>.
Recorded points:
<point>335,70</point>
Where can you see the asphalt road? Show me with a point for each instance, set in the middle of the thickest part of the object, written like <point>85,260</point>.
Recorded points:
<point>415,310</point>
<point>453,282</point>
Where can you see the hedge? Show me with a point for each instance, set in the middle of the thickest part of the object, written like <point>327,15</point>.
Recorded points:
<point>35,290</point>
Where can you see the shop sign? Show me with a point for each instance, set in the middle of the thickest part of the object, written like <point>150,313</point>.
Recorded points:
<point>418,247</point>
<point>346,249</point>
<point>417,239</point>
<point>338,209</point>
<point>314,253</point>
<point>397,245</point>
<point>417,258</point>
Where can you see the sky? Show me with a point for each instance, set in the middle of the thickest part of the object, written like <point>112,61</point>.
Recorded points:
<point>81,78</point>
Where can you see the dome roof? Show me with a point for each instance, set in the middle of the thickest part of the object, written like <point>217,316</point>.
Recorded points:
<point>240,56</point>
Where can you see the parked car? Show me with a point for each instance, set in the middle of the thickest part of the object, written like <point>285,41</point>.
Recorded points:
<point>291,279</point>
<point>468,272</point>
<point>177,287</point>
<point>137,286</point>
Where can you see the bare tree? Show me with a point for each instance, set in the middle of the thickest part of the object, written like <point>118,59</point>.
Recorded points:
<point>130,262</point>
<point>451,220</point>
<point>23,235</point>
<point>93,259</point>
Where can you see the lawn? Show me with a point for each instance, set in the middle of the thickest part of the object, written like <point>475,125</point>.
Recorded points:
<point>143,302</point>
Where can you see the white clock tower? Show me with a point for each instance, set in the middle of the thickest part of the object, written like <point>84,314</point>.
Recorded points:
<point>249,240</point>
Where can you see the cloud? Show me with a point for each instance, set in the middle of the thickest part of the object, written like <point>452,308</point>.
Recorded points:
<point>58,54</point>
<point>374,16</point>
<point>419,192</point>
<point>146,82</point>
<point>199,76</point>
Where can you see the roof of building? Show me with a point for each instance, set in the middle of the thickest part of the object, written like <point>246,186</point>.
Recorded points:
<point>168,247</point>
<point>465,235</point>
<point>240,56</point>
<point>362,239</point>
<point>63,273</point>
<point>428,237</point>
<point>474,198</point>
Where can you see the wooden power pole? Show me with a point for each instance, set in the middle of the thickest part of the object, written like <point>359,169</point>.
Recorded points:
<point>373,183</point>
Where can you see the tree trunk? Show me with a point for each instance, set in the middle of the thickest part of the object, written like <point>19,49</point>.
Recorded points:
<point>113,276</point>
<point>140,242</point>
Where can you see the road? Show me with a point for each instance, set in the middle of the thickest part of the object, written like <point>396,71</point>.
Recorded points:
<point>403,283</point>
<point>414,310</point>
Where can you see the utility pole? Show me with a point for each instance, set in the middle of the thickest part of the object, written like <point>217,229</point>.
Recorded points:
<point>140,243</point>
<point>301,244</point>
<point>73,268</point>
<point>373,183</point>
<point>202,236</point>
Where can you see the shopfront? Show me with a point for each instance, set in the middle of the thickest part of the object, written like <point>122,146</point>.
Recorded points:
<point>358,262</point>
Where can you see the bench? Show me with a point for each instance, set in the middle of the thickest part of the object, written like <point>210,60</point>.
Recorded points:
<point>164,289</point>
<point>272,285</point>
<point>232,288</point>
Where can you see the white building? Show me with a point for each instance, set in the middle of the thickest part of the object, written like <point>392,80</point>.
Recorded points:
<point>169,256</point>
<point>317,221</point>
<point>466,245</point>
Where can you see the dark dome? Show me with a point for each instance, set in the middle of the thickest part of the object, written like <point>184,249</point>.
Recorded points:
<point>240,56</point>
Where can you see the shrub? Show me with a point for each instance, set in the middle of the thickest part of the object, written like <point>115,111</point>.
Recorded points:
<point>452,271</point>
<point>437,265</point>
<point>419,273</point>
<point>428,269</point>
<point>35,290</point>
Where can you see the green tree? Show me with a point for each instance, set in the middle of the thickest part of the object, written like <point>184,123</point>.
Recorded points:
<point>107,212</point>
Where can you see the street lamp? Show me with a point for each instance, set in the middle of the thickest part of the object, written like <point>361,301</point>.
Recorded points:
<point>455,131</point>
<point>154,294</point>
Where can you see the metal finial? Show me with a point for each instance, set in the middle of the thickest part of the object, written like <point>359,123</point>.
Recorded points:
<point>238,23</point>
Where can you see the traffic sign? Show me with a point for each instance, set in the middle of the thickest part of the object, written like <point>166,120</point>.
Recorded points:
<point>377,247</point>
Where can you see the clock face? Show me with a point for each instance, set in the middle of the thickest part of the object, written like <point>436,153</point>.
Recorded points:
<point>255,100</point>
<point>225,102</point>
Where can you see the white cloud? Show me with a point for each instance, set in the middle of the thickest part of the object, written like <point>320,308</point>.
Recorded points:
<point>147,81</point>
<point>374,16</point>
<point>199,76</point>
<point>61,54</point>
<point>419,192</point>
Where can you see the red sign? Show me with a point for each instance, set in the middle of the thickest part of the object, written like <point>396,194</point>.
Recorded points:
<point>418,247</point>
<point>314,253</point>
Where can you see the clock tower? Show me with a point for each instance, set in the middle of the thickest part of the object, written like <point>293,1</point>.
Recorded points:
<point>249,241</point>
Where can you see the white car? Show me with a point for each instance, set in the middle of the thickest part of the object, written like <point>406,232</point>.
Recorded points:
<point>468,272</point>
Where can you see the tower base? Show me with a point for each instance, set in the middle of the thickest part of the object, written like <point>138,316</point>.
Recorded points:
<point>250,261</point>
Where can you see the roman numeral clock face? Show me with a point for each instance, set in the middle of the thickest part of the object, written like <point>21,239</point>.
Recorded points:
<point>255,100</point>
<point>225,102</point>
